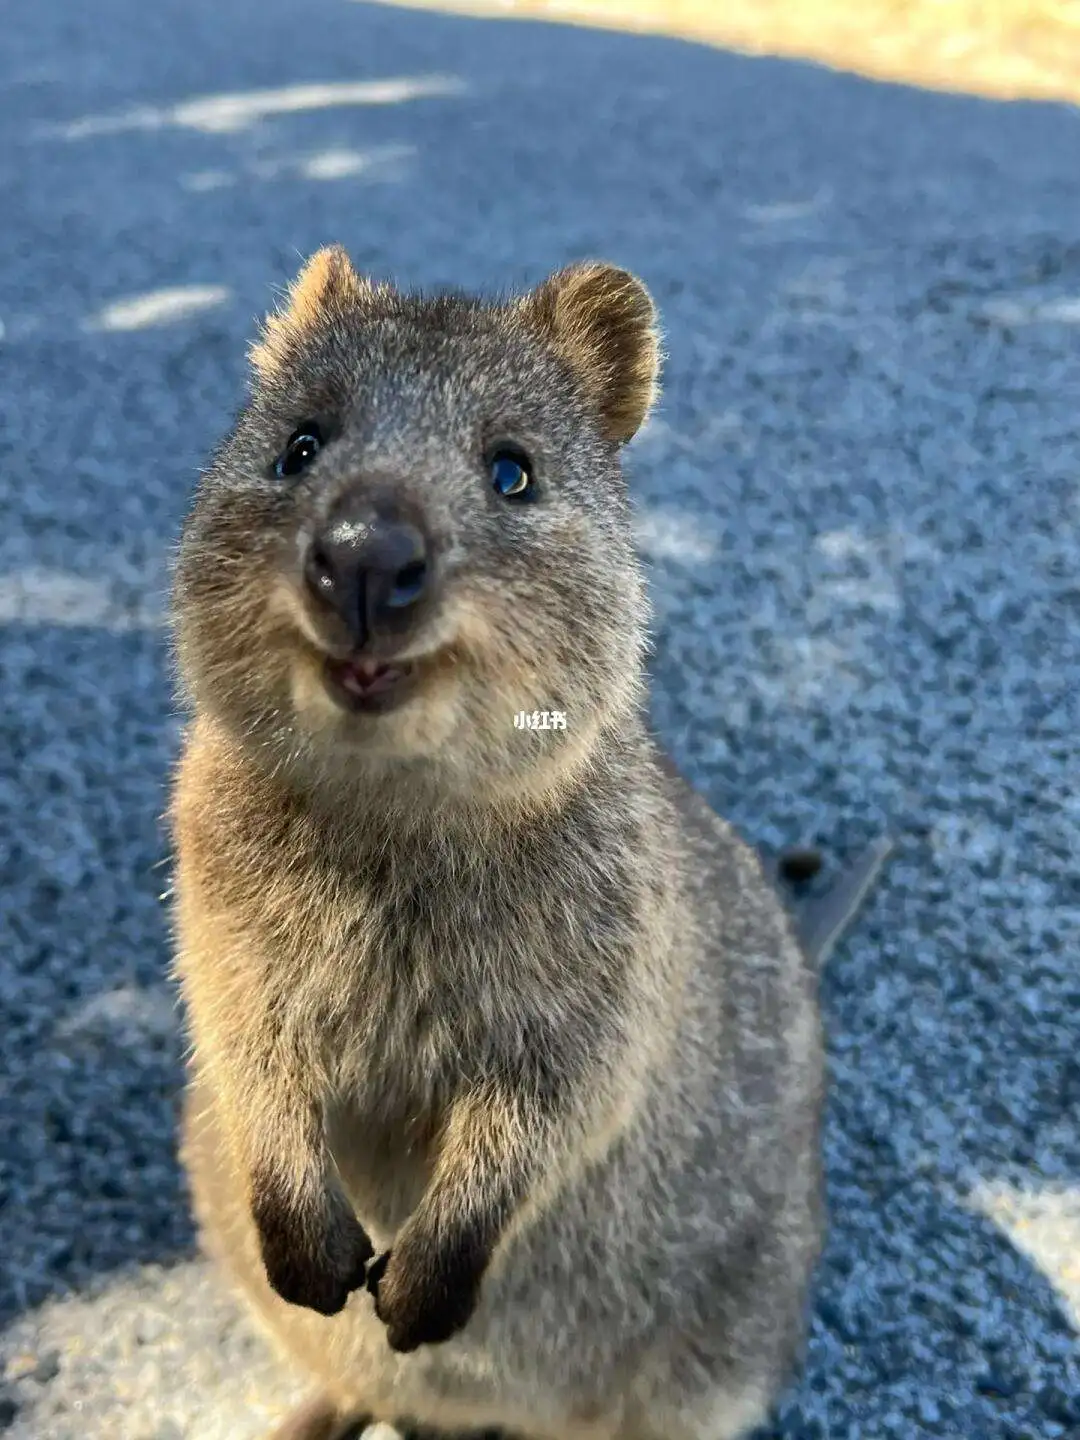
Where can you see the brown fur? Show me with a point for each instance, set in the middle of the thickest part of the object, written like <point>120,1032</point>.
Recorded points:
<point>327,284</point>
<point>317,1419</point>
<point>605,324</point>
<point>511,1010</point>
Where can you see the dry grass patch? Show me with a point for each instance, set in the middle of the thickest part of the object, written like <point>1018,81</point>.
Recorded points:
<point>1003,48</point>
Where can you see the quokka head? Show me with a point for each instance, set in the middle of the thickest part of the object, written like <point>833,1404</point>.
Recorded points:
<point>419,529</point>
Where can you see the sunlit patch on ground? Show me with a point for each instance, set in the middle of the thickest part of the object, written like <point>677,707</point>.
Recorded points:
<point>170,1349</point>
<point>164,1344</point>
<point>1044,1224</point>
<point>128,1014</point>
<point>37,596</point>
<point>1007,312</point>
<point>667,535</point>
<point>227,114</point>
<point>1004,48</point>
<point>158,307</point>
<point>339,162</point>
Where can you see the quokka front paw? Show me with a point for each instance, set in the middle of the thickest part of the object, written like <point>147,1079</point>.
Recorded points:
<point>312,1258</point>
<point>425,1294</point>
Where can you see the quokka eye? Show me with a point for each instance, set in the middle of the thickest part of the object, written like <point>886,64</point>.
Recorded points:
<point>511,474</point>
<point>304,444</point>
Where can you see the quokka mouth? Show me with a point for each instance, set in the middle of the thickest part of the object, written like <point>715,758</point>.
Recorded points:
<point>369,687</point>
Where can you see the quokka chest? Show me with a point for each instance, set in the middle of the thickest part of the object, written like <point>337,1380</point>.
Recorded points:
<point>425,965</point>
<point>385,1156</point>
<point>406,987</point>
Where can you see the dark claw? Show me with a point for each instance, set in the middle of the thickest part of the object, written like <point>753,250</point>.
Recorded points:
<point>309,1286</point>
<point>439,1301</point>
<point>318,1277</point>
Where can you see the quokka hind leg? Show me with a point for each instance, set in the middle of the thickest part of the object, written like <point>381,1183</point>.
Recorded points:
<point>319,1418</point>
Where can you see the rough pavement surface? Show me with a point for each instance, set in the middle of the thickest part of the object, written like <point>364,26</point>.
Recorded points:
<point>860,505</point>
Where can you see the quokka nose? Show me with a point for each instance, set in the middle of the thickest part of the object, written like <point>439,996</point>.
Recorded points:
<point>370,568</point>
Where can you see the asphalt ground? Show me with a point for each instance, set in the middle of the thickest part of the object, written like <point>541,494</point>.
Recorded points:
<point>859,503</point>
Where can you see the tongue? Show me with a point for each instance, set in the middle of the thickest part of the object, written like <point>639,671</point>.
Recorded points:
<point>369,679</point>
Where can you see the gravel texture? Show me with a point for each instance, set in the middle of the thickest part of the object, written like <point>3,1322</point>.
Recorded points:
<point>860,504</point>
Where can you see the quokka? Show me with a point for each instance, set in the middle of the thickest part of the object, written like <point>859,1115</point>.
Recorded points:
<point>506,1075</point>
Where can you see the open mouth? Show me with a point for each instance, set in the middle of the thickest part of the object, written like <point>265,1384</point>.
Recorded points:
<point>369,687</point>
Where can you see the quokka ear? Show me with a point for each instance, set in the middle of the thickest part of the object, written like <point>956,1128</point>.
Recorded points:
<point>326,286</point>
<point>603,321</point>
